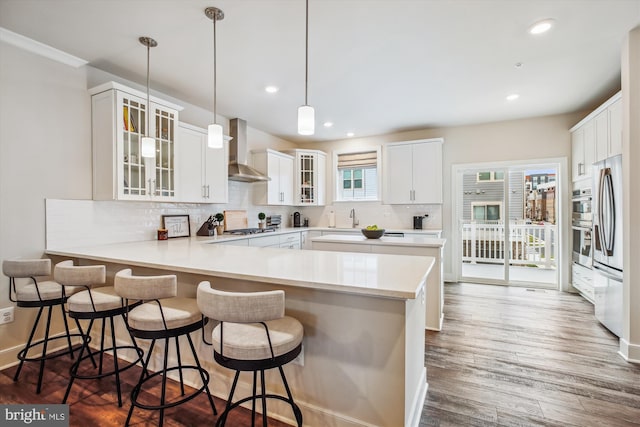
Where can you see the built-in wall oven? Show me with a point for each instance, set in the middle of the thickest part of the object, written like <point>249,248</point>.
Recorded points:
<point>581,227</point>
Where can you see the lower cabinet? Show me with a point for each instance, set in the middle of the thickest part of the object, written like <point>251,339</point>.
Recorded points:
<point>582,280</point>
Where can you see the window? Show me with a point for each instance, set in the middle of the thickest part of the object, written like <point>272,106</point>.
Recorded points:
<point>490,176</point>
<point>357,176</point>
<point>486,211</point>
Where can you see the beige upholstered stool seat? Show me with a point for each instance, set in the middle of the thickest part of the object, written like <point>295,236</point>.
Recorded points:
<point>253,335</point>
<point>248,341</point>
<point>48,290</point>
<point>95,302</point>
<point>178,312</point>
<point>162,315</point>
<point>26,291</point>
<point>104,299</point>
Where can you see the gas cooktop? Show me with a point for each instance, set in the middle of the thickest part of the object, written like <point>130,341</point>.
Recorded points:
<point>251,230</point>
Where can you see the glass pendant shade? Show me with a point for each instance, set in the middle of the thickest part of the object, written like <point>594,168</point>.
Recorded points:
<point>148,147</point>
<point>306,120</point>
<point>214,136</point>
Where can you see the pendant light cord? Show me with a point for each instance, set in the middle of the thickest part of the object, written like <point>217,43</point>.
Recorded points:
<point>146,131</point>
<point>306,55</point>
<point>215,119</point>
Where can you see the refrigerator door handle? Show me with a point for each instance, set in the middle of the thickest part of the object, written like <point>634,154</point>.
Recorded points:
<point>608,227</point>
<point>607,274</point>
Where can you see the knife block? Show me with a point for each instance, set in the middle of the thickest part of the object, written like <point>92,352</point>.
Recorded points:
<point>204,230</point>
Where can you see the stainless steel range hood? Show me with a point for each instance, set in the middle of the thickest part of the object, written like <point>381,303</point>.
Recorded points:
<point>239,170</point>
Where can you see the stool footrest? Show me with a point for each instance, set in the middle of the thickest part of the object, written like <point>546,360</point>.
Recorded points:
<point>136,390</point>
<point>22,354</point>
<point>296,410</point>
<point>111,372</point>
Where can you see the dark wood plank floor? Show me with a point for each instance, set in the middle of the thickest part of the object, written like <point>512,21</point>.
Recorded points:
<point>94,402</point>
<point>511,356</point>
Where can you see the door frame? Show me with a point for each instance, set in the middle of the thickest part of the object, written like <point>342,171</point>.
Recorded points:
<point>562,205</point>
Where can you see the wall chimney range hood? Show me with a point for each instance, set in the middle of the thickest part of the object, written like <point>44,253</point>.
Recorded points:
<point>239,170</point>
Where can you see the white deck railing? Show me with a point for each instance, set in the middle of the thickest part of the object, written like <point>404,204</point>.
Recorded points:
<point>531,244</point>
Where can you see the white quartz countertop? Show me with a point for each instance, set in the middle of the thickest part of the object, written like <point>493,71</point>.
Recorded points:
<point>377,275</point>
<point>429,242</point>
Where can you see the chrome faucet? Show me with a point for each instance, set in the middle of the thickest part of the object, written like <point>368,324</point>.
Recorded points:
<point>354,220</point>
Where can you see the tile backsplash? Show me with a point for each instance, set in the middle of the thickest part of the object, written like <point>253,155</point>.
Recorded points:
<point>71,223</point>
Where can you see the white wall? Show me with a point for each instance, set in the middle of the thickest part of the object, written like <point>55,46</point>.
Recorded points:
<point>516,140</point>
<point>45,153</point>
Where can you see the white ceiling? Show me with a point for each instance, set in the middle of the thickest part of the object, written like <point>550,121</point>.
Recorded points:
<point>375,66</point>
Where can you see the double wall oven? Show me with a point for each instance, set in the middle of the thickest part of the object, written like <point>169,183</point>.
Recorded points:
<point>581,227</point>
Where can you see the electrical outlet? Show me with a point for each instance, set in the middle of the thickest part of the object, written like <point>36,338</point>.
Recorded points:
<point>6,315</point>
<point>300,359</point>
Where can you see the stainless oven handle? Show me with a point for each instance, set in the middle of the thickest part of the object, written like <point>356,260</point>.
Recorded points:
<point>607,273</point>
<point>575,227</point>
<point>582,198</point>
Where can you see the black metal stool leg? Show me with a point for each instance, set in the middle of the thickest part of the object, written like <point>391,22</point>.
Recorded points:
<point>296,410</point>
<point>44,351</point>
<point>26,347</point>
<point>180,364</point>
<point>264,398</point>
<point>136,389</point>
<point>202,376</point>
<point>88,336</point>
<point>164,380</point>
<point>66,328</point>
<point>115,361</point>
<point>76,365</point>
<point>255,397</point>
<point>223,417</point>
<point>101,347</point>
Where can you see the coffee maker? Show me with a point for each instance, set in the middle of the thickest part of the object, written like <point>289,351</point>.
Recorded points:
<point>296,219</point>
<point>417,222</point>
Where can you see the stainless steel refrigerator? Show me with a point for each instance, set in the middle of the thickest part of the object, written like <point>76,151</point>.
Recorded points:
<point>607,248</point>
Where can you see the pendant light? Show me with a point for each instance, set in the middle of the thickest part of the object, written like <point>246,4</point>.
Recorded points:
<point>306,114</point>
<point>214,134</point>
<point>148,143</point>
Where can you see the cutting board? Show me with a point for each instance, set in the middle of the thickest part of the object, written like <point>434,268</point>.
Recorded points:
<point>234,220</point>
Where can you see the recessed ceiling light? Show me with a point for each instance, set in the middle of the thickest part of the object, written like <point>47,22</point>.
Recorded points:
<point>271,89</point>
<point>327,124</point>
<point>350,134</point>
<point>513,97</point>
<point>518,64</point>
<point>541,26</point>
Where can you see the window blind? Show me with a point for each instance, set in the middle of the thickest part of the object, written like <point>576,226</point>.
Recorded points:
<point>357,160</point>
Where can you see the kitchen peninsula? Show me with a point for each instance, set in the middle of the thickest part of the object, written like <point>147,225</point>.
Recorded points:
<point>363,317</point>
<point>423,246</point>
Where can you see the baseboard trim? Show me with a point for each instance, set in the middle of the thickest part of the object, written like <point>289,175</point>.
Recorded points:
<point>629,352</point>
<point>9,356</point>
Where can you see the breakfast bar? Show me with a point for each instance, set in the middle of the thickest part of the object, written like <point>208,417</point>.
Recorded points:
<point>363,316</point>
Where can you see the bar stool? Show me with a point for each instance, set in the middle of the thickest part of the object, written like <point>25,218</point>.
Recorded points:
<point>253,335</point>
<point>38,295</point>
<point>162,315</point>
<point>95,302</point>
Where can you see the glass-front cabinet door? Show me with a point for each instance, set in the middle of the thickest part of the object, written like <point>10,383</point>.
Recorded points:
<point>309,177</point>
<point>119,119</point>
<point>144,178</point>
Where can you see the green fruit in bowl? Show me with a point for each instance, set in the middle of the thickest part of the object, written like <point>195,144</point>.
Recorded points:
<point>372,227</point>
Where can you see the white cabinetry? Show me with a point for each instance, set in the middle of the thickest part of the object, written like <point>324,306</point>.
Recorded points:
<point>119,116</point>
<point>596,137</point>
<point>583,151</point>
<point>202,170</point>
<point>582,280</point>
<point>279,167</point>
<point>413,172</point>
<point>309,177</point>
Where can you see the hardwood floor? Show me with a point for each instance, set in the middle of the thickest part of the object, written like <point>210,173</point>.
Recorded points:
<point>95,403</point>
<point>512,356</point>
<point>505,357</point>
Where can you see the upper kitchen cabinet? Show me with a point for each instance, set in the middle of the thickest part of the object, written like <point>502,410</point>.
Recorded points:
<point>118,125</point>
<point>279,168</point>
<point>202,171</point>
<point>583,151</point>
<point>412,172</point>
<point>309,177</point>
<point>596,137</point>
